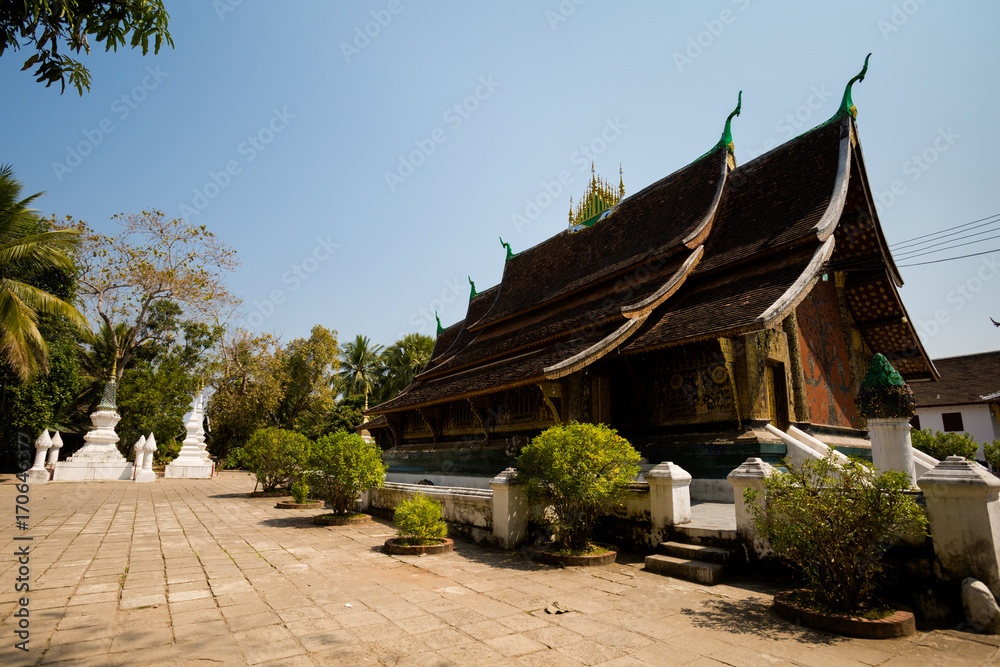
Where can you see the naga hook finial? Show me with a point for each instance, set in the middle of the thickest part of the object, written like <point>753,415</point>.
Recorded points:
<point>473,294</point>
<point>440,328</point>
<point>847,104</point>
<point>510,253</point>
<point>727,133</point>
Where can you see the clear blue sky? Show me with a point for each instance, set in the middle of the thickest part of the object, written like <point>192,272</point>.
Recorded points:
<point>475,107</point>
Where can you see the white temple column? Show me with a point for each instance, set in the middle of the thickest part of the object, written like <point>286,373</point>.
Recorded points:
<point>669,497</point>
<point>146,473</point>
<point>891,446</point>
<point>38,474</point>
<point>57,444</point>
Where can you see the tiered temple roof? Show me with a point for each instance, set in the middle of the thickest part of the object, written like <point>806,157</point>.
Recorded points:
<point>711,250</point>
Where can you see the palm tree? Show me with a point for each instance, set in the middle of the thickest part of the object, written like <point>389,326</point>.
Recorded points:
<point>27,253</point>
<point>402,361</point>
<point>359,366</point>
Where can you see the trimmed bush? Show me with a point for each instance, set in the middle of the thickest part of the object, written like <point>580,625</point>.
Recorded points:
<point>834,524</point>
<point>419,520</point>
<point>342,467</point>
<point>942,445</point>
<point>275,456</point>
<point>991,450</point>
<point>300,491</point>
<point>579,471</point>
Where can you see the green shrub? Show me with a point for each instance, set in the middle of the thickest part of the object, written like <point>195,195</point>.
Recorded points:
<point>992,452</point>
<point>419,520</point>
<point>942,445</point>
<point>579,471</point>
<point>300,491</point>
<point>342,467</point>
<point>234,460</point>
<point>275,456</point>
<point>834,525</point>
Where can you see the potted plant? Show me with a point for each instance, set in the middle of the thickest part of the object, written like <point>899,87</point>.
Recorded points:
<point>577,472</point>
<point>300,498</point>
<point>341,468</point>
<point>420,528</point>
<point>833,524</point>
<point>275,457</point>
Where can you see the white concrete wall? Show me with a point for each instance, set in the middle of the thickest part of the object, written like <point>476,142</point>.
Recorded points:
<point>976,420</point>
<point>464,506</point>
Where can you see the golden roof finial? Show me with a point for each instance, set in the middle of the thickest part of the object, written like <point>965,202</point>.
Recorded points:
<point>621,182</point>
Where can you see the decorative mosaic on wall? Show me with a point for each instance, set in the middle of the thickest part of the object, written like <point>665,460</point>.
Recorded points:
<point>825,359</point>
<point>688,384</point>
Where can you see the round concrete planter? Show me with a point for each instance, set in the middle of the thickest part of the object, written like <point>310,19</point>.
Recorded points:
<point>341,520</point>
<point>392,546</point>
<point>292,505</point>
<point>540,556</point>
<point>899,624</point>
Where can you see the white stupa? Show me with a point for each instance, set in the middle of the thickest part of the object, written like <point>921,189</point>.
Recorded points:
<point>192,460</point>
<point>99,458</point>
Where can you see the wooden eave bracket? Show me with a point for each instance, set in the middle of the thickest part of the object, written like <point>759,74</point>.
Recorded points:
<point>549,391</point>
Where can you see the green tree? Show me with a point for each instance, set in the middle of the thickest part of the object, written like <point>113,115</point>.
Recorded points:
<point>276,456</point>
<point>309,365</point>
<point>130,278</point>
<point>359,366</point>
<point>942,445</point>
<point>991,450</point>
<point>27,254</point>
<point>248,389</point>
<point>580,471</point>
<point>341,467</point>
<point>400,363</point>
<point>45,26</point>
<point>345,415</point>
<point>834,524</point>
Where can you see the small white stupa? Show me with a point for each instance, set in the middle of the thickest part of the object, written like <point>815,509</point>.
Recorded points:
<point>192,460</point>
<point>99,458</point>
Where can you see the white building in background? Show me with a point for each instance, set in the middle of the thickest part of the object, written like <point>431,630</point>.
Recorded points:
<point>965,399</point>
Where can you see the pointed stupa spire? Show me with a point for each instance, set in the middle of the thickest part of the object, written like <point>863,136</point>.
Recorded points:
<point>621,182</point>
<point>847,104</point>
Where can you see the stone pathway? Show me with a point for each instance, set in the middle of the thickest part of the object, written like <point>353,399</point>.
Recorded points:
<point>192,572</point>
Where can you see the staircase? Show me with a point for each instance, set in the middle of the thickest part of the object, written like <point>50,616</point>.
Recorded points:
<point>702,551</point>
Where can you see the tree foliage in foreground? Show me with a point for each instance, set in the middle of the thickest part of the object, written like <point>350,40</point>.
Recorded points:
<point>579,471</point>
<point>276,456</point>
<point>834,525</point>
<point>341,467</point>
<point>45,26</point>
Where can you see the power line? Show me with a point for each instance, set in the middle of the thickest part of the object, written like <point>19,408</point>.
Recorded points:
<point>948,259</point>
<point>941,231</point>
<point>933,243</point>
<point>957,245</point>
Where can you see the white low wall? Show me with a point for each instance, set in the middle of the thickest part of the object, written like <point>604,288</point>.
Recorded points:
<point>469,512</point>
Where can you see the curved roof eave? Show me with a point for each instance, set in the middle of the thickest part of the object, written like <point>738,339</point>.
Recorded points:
<point>799,289</point>
<point>828,222</point>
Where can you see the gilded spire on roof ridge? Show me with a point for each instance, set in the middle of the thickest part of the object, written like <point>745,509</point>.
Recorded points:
<point>847,103</point>
<point>599,197</point>
<point>621,182</point>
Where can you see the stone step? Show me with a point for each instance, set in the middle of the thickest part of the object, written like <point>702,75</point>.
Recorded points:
<point>683,568</point>
<point>698,552</point>
<point>697,534</point>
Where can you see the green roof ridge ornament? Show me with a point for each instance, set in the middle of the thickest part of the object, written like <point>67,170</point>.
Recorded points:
<point>440,328</point>
<point>727,134</point>
<point>884,393</point>
<point>473,294</point>
<point>510,253</point>
<point>847,104</point>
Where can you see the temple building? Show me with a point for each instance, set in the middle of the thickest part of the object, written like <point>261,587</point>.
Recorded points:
<point>687,316</point>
